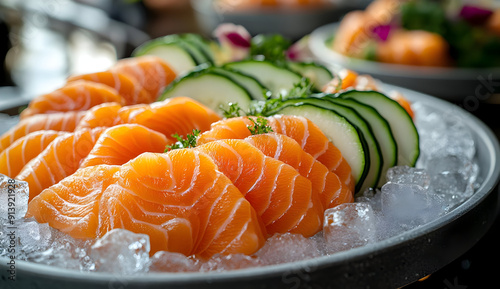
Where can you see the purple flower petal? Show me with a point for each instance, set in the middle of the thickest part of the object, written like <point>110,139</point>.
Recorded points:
<point>475,14</point>
<point>237,40</point>
<point>382,31</point>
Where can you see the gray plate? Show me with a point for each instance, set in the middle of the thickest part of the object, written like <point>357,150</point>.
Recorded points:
<point>387,264</point>
<point>460,85</point>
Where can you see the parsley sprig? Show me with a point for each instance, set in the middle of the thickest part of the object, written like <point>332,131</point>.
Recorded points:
<point>188,142</point>
<point>233,110</point>
<point>259,126</point>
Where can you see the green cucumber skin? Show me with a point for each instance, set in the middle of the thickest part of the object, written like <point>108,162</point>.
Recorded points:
<point>372,149</point>
<point>200,95</point>
<point>357,137</point>
<point>381,129</point>
<point>261,92</point>
<point>407,154</point>
<point>286,76</point>
<point>318,70</point>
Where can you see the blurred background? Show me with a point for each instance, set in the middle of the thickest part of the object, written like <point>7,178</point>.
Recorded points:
<point>43,42</point>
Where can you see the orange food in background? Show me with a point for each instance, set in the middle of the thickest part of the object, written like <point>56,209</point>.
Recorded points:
<point>255,4</point>
<point>493,23</point>
<point>348,79</point>
<point>351,35</point>
<point>414,47</point>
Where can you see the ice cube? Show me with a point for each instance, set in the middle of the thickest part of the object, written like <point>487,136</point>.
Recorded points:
<point>452,187</point>
<point>14,195</point>
<point>33,236</point>
<point>406,206</point>
<point>460,140</point>
<point>121,251</point>
<point>408,175</point>
<point>452,177</point>
<point>349,226</point>
<point>220,263</point>
<point>65,252</point>
<point>372,197</point>
<point>282,248</point>
<point>163,261</point>
<point>451,163</point>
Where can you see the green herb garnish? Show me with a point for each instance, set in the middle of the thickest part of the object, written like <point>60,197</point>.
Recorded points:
<point>234,110</point>
<point>259,126</point>
<point>301,89</point>
<point>188,142</point>
<point>271,47</point>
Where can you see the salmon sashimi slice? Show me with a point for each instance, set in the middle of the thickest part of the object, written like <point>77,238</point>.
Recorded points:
<point>282,197</point>
<point>20,152</point>
<point>181,198</point>
<point>103,115</point>
<point>119,144</point>
<point>72,205</point>
<point>61,158</point>
<point>178,115</point>
<point>75,96</point>
<point>63,121</point>
<point>151,72</point>
<point>308,135</point>
<point>324,182</point>
<point>127,86</point>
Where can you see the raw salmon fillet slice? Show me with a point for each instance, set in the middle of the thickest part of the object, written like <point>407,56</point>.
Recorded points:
<point>303,131</point>
<point>178,198</point>
<point>20,152</point>
<point>151,72</point>
<point>186,201</point>
<point>72,205</point>
<point>64,121</point>
<point>279,194</point>
<point>58,160</point>
<point>326,183</point>
<point>119,144</point>
<point>103,115</point>
<point>179,115</point>
<point>75,96</point>
<point>127,86</point>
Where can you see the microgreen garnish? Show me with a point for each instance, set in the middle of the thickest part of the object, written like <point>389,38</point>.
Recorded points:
<point>269,47</point>
<point>300,89</point>
<point>259,126</point>
<point>233,110</point>
<point>188,142</point>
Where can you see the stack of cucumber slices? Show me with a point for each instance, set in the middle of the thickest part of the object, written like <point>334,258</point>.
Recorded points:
<point>372,131</point>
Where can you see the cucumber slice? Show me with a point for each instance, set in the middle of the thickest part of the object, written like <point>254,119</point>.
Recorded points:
<point>381,130</point>
<point>339,131</point>
<point>201,43</point>
<point>209,88</point>
<point>256,89</point>
<point>177,55</point>
<point>317,73</point>
<point>190,46</point>
<point>373,163</point>
<point>277,79</point>
<point>402,126</point>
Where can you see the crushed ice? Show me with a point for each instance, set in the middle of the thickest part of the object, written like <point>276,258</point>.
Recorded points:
<point>445,176</point>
